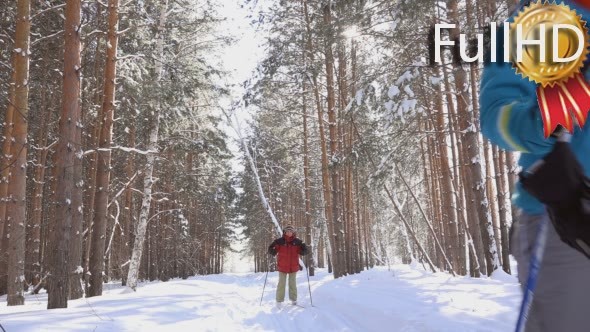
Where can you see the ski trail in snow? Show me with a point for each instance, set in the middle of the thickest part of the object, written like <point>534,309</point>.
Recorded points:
<point>411,300</point>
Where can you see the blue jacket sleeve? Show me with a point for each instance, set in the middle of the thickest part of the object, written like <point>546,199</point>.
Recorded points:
<point>509,112</point>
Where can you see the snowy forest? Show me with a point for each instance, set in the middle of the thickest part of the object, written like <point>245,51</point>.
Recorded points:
<point>119,121</point>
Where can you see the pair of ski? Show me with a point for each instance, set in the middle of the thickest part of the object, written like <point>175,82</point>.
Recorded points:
<point>292,305</point>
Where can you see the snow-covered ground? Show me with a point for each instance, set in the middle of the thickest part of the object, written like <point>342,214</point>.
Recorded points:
<point>404,298</point>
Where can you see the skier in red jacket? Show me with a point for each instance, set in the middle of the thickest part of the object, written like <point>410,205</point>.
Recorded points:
<point>288,247</point>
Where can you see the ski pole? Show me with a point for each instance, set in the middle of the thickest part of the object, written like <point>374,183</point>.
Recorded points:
<point>267,268</point>
<point>308,285</point>
<point>535,265</point>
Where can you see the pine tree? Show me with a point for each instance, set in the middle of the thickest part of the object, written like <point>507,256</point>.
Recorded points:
<point>16,206</point>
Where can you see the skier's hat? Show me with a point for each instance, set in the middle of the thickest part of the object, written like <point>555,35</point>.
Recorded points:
<point>288,228</point>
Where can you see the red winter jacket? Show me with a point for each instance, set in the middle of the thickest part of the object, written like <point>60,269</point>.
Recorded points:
<point>288,249</point>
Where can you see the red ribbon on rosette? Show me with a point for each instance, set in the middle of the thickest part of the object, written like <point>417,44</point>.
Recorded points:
<point>557,101</point>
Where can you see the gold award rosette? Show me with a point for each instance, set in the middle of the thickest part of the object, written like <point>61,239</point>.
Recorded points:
<point>561,88</point>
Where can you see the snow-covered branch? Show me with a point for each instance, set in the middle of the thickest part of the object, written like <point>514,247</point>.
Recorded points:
<point>122,148</point>
<point>116,217</point>
<point>237,128</point>
<point>36,41</point>
<point>123,189</point>
<point>47,10</point>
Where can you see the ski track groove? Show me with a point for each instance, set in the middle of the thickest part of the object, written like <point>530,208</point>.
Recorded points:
<point>408,301</point>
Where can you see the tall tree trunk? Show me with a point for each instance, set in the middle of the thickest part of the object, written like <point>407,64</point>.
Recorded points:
<point>356,215</point>
<point>16,205</point>
<point>430,173</point>
<point>338,223</point>
<point>103,172</point>
<point>307,186</point>
<point>451,219</point>
<point>33,259</point>
<point>92,142</point>
<point>67,148</point>
<point>345,196</point>
<point>5,164</point>
<point>359,227</point>
<point>152,146</point>
<point>323,146</point>
<point>471,147</point>
<point>492,191</point>
<point>500,171</point>
<point>347,192</point>
<point>511,177</point>
<point>76,289</point>
<point>48,228</point>
<point>128,215</point>
<point>463,196</point>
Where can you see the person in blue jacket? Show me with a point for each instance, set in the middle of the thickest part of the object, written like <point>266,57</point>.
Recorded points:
<point>510,118</point>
